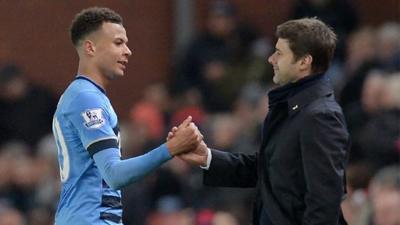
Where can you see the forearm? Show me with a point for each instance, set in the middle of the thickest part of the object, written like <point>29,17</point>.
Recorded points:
<point>231,170</point>
<point>118,173</point>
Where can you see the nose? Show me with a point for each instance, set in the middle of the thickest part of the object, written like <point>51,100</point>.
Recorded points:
<point>128,52</point>
<point>271,58</point>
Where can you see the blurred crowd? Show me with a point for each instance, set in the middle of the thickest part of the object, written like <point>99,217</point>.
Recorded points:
<point>221,79</point>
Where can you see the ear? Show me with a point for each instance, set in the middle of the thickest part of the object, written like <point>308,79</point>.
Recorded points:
<point>306,62</point>
<point>89,47</point>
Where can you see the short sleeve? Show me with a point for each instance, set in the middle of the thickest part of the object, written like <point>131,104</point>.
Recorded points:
<point>90,115</point>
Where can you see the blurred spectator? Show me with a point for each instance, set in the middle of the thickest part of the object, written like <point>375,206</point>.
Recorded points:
<point>361,59</point>
<point>10,216</point>
<point>213,45</point>
<point>359,113</point>
<point>169,211</point>
<point>341,15</point>
<point>220,60</point>
<point>388,47</point>
<point>378,138</point>
<point>26,110</point>
<point>41,216</point>
<point>29,184</point>
<point>384,199</point>
<point>360,53</point>
<point>223,131</point>
<point>148,116</point>
<point>204,217</point>
<point>136,202</point>
<point>166,183</point>
<point>224,218</point>
<point>369,50</point>
<point>358,177</point>
<point>372,92</point>
<point>250,110</point>
<point>144,130</point>
<point>189,103</point>
<point>360,48</point>
<point>18,184</point>
<point>24,176</point>
<point>46,164</point>
<point>6,167</point>
<point>227,131</point>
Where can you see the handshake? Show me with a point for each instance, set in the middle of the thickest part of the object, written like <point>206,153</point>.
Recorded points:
<point>186,142</point>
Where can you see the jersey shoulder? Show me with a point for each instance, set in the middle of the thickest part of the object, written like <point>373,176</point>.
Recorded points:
<point>81,95</point>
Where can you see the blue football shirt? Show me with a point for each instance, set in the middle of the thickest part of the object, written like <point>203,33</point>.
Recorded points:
<point>85,123</point>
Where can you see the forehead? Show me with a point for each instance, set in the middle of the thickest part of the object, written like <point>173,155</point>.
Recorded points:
<point>282,44</point>
<point>113,30</point>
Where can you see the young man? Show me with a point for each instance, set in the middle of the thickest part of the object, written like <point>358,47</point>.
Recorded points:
<point>85,127</point>
<point>299,169</point>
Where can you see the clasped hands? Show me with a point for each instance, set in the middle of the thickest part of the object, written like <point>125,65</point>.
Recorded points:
<point>186,142</point>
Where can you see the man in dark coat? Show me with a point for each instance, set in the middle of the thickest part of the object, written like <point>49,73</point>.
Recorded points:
<point>299,171</point>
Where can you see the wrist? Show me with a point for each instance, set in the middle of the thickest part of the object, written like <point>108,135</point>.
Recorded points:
<point>165,151</point>
<point>170,148</point>
<point>207,160</point>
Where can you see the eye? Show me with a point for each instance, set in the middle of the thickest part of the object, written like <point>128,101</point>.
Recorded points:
<point>119,42</point>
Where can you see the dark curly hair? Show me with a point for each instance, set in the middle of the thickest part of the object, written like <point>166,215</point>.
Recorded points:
<point>89,20</point>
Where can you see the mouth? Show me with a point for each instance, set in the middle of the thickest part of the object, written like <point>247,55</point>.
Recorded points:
<point>123,63</point>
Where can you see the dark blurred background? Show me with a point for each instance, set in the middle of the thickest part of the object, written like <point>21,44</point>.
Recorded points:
<point>34,34</point>
<point>208,59</point>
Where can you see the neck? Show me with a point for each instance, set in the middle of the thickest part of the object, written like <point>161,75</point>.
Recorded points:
<point>93,74</point>
<point>302,74</point>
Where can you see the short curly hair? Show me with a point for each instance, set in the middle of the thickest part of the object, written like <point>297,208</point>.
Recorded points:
<point>89,20</point>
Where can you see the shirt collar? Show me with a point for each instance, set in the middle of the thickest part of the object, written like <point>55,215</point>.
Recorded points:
<point>83,77</point>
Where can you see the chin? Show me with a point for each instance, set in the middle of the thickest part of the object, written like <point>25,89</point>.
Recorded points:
<point>275,79</point>
<point>115,76</point>
<point>120,73</point>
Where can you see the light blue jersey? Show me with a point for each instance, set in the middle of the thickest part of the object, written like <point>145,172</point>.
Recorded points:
<point>85,128</point>
<point>83,124</point>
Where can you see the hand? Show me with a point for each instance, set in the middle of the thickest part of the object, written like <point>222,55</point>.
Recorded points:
<point>172,133</point>
<point>186,137</point>
<point>197,157</point>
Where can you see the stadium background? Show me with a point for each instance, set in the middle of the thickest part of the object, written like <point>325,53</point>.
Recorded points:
<point>35,46</point>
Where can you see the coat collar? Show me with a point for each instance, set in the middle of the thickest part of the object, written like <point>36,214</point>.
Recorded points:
<point>299,94</point>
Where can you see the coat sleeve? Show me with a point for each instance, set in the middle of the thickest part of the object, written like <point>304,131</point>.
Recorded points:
<point>324,143</point>
<point>231,170</point>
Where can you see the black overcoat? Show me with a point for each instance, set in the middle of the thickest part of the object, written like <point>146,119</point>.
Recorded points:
<point>299,170</point>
